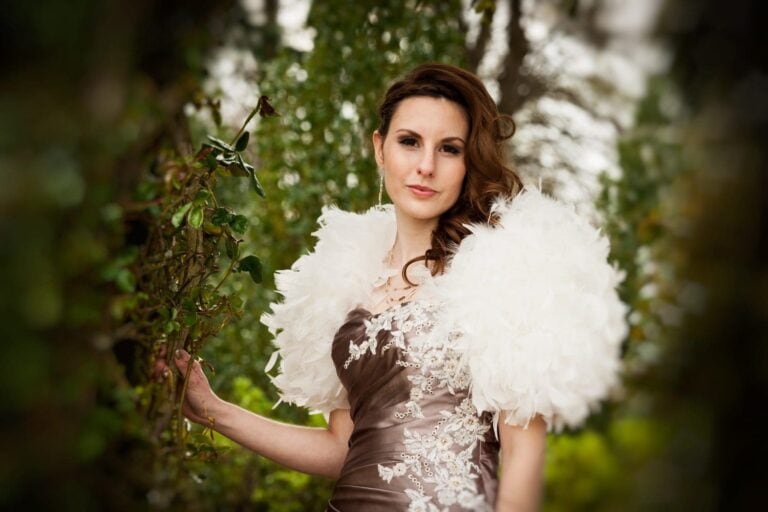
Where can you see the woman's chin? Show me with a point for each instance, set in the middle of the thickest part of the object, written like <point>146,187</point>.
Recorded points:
<point>420,212</point>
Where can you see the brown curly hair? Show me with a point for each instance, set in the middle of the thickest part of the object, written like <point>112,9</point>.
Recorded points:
<point>487,175</point>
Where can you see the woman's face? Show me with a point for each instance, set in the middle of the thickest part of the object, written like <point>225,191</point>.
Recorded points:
<point>423,156</point>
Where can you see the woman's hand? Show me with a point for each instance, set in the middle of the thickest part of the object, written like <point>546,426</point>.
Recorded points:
<point>200,402</point>
<point>313,450</point>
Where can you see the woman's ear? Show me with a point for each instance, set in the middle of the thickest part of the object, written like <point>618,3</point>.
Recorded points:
<point>378,148</point>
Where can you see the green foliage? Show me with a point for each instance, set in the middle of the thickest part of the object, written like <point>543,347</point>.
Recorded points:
<point>122,241</point>
<point>173,298</point>
<point>639,225</point>
<point>597,469</point>
<point>316,153</point>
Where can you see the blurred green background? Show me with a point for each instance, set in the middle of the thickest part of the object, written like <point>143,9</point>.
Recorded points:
<point>119,235</point>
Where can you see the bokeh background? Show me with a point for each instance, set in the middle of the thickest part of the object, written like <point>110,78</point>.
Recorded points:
<point>125,228</point>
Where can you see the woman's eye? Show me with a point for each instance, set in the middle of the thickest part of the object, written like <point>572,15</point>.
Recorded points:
<point>408,141</point>
<point>452,149</point>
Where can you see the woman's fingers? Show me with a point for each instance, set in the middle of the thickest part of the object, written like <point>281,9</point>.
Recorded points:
<point>181,355</point>
<point>161,372</point>
<point>182,358</point>
<point>198,389</point>
<point>198,392</point>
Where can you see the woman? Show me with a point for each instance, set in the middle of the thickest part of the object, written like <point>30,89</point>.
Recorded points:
<point>440,336</point>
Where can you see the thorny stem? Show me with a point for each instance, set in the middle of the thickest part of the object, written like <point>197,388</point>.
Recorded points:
<point>247,120</point>
<point>179,411</point>
<point>226,274</point>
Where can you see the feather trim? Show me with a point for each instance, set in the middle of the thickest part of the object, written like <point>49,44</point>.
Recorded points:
<point>318,291</point>
<point>536,299</point>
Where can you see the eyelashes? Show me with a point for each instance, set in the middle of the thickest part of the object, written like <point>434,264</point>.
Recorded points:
<point>413,142</point>
<point>452,149</point>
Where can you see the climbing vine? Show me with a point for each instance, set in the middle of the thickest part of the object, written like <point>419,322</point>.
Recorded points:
<point>169,280</point>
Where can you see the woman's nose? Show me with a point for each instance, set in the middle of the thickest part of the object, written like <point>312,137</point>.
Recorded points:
<point>427,164</point>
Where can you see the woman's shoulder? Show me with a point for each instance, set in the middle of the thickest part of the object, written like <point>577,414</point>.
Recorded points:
<point>319,289</point>
<point>344,231</point>
<point>532,216</point>
<point>333,217</point>
<point>537,297</point>
<point>534,233</point>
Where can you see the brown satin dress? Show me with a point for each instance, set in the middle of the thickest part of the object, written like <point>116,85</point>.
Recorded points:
<point>418,443</point>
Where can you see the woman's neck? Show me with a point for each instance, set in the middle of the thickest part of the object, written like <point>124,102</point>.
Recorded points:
<point>413,239</point>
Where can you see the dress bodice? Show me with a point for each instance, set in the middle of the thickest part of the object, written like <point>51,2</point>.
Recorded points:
<point>417,443</point>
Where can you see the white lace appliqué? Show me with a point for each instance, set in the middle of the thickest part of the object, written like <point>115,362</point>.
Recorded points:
<point>442,456</point>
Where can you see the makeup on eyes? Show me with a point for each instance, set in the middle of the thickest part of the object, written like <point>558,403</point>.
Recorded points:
<point>412,138</point>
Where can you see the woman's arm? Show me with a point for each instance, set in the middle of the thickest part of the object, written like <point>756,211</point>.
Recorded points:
<point>522,465</point>
<point>313,450</point>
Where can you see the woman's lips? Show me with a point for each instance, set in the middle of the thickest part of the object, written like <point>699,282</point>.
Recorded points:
<point>419,191</point>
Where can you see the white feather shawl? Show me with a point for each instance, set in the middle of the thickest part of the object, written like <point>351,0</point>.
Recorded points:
<point>535,298</point>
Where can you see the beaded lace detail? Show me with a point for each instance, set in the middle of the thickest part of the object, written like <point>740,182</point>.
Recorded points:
<point>443,456</point>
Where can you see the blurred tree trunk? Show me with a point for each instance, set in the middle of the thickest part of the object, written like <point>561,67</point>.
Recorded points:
<point>476,52</point>
<point>515,87</point>
<point>95,88</point>
<point>715,376</point>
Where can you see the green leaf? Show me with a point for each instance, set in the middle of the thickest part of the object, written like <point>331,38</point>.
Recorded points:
<point>246,167</point>
<point>252,265</point>
<point>236,301</point>
<point>190,319</point>
<point>227,158</point>
<point>239,224</point>
<point>242,142</point>
<point>196,217</point>
<point>210,161</point>
<point>201,197</point>
<point>249,170</point>
<point>178,217</point>
<point>230,161</point>
<point>221,216</point>
<point>257,185</point>
<point>112,212</point>
<point>125,280</point>
<point>146,191</point>
<point>216,115</point>
<point>171,326</point>
<point>211,229</point>
<point>219,144</point>
<point>232,248</point>
<point>109,273</point>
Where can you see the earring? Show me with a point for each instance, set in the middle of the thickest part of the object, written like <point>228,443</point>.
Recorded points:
<point>381,185</point>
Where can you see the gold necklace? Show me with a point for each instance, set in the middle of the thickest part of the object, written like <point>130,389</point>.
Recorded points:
<point>392,295</point>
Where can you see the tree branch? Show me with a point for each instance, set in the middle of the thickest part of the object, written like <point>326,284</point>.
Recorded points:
<point>474,54</point>
<point>516,88</point>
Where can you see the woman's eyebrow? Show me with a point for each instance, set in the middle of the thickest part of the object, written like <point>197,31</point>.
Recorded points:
<point>416,134</point>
